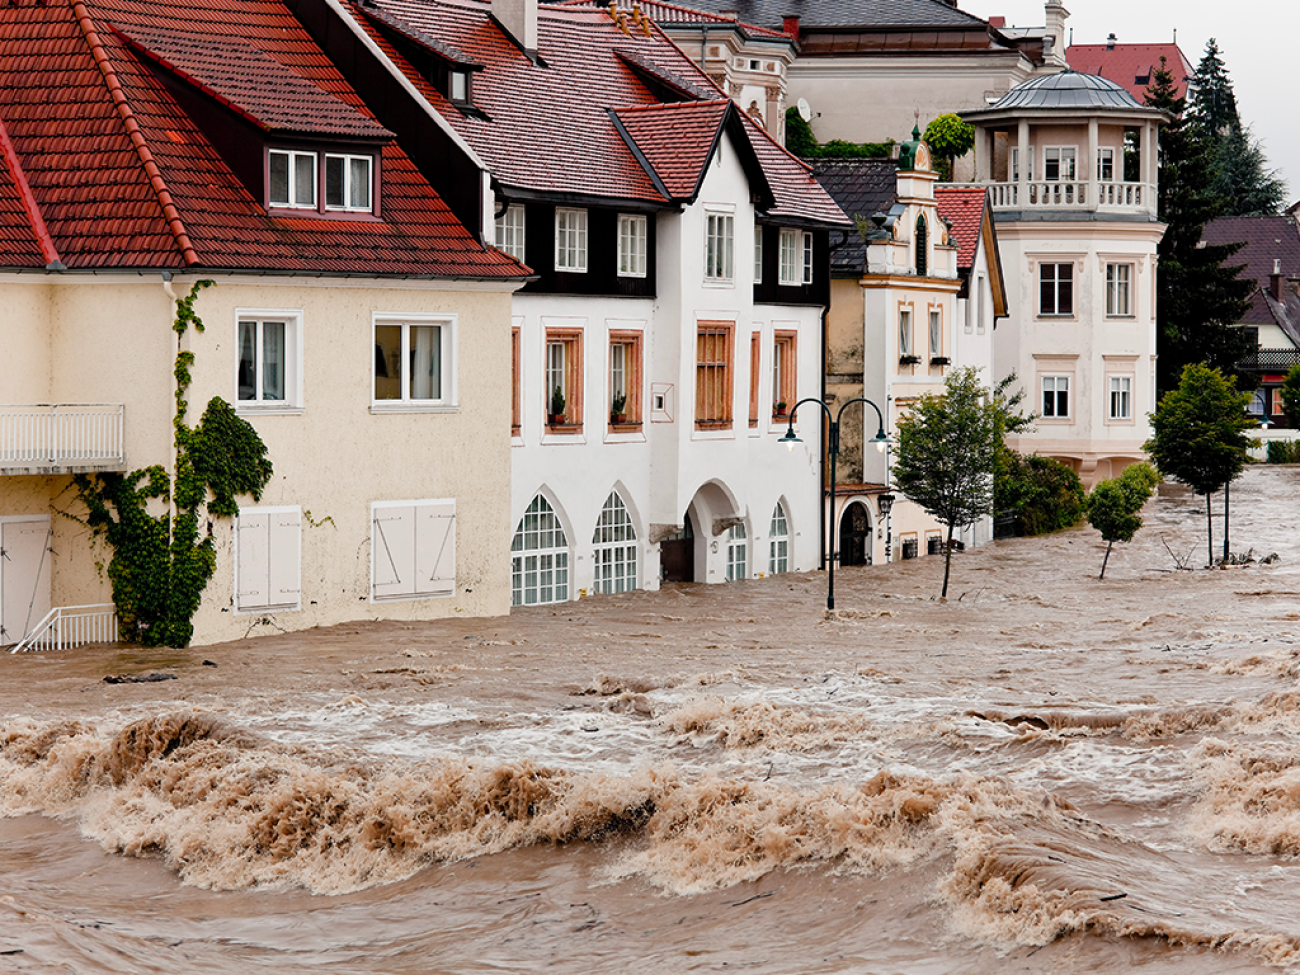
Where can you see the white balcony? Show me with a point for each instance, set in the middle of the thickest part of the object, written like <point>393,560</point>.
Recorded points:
<point>62,438</point>
<point>1101,196</point>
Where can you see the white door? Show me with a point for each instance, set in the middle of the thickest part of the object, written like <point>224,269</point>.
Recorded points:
<point>24,576</point>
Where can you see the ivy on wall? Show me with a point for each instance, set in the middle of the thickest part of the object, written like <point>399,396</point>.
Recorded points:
<point>160,565</point>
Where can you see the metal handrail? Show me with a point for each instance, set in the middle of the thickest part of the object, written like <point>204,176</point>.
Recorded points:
<point>66,627</point>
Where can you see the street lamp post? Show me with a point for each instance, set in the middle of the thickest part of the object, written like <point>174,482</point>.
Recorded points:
<point>833,448</point>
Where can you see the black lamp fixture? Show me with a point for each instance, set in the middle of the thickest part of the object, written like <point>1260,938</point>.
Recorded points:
<point>833,448</point>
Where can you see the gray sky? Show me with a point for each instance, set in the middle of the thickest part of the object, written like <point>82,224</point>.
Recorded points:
<point>1257,41</point>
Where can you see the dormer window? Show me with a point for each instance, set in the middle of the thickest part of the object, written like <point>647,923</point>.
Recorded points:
<point>293,179</point>
<point>348,182</point>
<point>458,85</point>
<point>295,175</point>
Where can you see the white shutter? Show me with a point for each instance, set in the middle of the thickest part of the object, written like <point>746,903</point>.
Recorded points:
<point>253,564</point>
<point>285,586</point>
<point>392,550</point>
<point>435,547</point>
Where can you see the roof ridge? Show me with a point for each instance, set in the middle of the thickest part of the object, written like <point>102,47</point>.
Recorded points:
<point>170,213</point>
<point>30,206</point>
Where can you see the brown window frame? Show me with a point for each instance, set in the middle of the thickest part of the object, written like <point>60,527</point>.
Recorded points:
<point>571,339</point>
<point>515,375</point>
<point>632,340</point>
<point>714,376</point>
<point>785,366</point>
<point>755,360</point>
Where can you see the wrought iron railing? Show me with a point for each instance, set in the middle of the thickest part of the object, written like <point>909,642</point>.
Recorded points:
<point>1270,360</point>
<point>65,627</point>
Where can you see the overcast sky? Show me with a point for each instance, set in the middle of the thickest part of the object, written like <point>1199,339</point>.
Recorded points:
<point>1257,41</point>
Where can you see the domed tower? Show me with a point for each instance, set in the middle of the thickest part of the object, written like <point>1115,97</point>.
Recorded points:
<point>1070,160</point>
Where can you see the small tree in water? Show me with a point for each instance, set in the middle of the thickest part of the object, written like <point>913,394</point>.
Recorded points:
<point>1199,434</point>
<point>1114,506</point>
<point>945,454</point>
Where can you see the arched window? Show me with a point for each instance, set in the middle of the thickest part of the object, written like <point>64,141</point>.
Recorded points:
<point>779,542</point>
<point>737,555</point>
<point>539,562</point>
<point>922,245</point>
<point>616,549</point>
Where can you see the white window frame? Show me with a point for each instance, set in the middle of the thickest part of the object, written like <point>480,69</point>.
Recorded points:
<point>292,319</point>
<point>1056,380</point>
<point>430,570</point>
<point>283,558</point>
<point>1258,405</point>
<point>936,333</point>
<point>737,552</point>
<point>511,228</point>
<point>905,332</point>
<point>553,562</point>
<point>719,246</point>
<point>1117,289</point>
<point>1065,158</point>
<point>292,183</point>
<point>571,240</point>
<point>758,253</point>
<point>348,159</point>
<point>796,258</point>
<point>615,552</point>
<point>462,77</point>
<point>633,235</point>
<point>405,403</point>
<point>778,555</point>
<point>1106,164</point>
<point>1015,165</point>
<point>1056,281</point>
<point>1119,393</point>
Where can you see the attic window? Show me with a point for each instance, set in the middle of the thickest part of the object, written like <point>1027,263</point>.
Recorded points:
<point>293,177</point>
<point>458,86</point>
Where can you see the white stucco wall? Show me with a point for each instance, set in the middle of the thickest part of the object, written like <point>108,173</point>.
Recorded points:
<point>111,341</point>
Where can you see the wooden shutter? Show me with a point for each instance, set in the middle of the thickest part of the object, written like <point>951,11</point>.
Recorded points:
<point>253,561</point>
<point>435,547</point>
<point>392,550</point>
<point>285,585</point>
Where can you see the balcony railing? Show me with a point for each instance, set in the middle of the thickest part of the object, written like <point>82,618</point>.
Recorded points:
<point>62,438</point>
<point>66,627</point>
<point>1270,360</point>
<point>1041,194</point>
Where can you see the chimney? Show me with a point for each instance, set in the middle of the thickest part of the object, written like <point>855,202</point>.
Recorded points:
<point>1110,41</point>
<point>790,25</point>
<point>998,22</point>
<point>1275,280</point>
<point>1054,44</point>
<point>519,19</point>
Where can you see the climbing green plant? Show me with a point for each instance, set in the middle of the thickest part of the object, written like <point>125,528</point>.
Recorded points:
<point>160,565</point>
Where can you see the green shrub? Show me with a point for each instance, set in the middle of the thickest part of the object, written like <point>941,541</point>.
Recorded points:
<point>1283,452</point>
<point>1044,494</point>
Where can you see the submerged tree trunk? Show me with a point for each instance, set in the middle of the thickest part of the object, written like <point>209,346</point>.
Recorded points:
<point>1109,546</point>
<point>947,563</point>
<point>1209,528</point>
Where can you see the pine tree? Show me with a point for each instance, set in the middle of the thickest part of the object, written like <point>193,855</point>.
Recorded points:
<point>1198,298</point>
<point>1243,181</point>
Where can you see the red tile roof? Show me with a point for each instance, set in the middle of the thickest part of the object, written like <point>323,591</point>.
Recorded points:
<point>677,140</point>
<point>1126,64</point>
<point>549,128</point>
<point>23,240</point>
<point>253,84</point>
<point>125,178</point>
<point>964,207</point>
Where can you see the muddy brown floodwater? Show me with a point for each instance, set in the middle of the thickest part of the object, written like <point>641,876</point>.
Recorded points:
<point>1046,773</point>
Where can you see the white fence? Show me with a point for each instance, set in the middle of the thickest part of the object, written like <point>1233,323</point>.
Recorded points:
<point>62,435</point>
<point>1070,195</point>
<point>65,627</point>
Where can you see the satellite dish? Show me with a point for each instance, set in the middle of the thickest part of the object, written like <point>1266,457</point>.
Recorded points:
<point>805,112</point>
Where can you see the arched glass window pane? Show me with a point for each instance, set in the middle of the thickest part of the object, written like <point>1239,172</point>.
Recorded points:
<point>779,542</point>
<point>737,554</point>
<point>539,564</point>
<point>616,548</point>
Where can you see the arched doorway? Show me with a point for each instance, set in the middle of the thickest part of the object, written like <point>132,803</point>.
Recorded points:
<point>677,554</point>
<point>855,535</point>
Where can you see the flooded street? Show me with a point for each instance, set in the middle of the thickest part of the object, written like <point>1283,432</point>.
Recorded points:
<point>1046,773</point>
